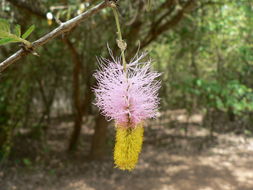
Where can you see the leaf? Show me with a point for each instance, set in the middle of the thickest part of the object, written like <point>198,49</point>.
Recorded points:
<point>4,34</point>
<point>4,25</point>
<point>28,32</point>
<point>17,31</point>
<point>7,37</point>
<point>27,162</point>
<point>199,82</point>
<point>7,40</point>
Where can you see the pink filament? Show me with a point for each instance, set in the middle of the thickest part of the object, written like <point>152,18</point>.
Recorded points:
<point>127,98</point>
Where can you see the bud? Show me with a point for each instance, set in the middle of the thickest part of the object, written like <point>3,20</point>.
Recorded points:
<point>49,18</point>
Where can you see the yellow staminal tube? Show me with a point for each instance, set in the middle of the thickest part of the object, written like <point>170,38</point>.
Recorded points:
<point>128,146</point>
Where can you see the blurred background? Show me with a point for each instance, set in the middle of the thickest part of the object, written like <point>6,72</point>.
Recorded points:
<point>52,136</point>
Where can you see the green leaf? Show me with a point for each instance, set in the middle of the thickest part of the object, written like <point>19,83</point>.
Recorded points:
<point>4,25</point>
<point>4,34</point>
<point>7,40</point>
<point>199,82</point>
<point>28,32</point>
<point>27,162</point>
<point>17,31</point>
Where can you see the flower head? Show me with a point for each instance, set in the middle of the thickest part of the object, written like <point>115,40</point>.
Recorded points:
<point>128,97</point>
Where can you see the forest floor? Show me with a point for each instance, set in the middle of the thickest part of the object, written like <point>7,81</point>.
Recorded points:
<point>169,161</point>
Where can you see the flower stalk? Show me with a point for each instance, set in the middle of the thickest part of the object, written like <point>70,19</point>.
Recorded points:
<point>120,42</point>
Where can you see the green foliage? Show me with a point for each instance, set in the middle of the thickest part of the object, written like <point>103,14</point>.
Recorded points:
<point>12,115</point>
<point>27,162</point>
<point>231,95</point>
<point>28,32</point>
<point>6,36</point>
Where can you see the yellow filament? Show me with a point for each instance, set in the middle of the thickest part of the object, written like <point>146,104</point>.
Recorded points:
<point>128,146</point>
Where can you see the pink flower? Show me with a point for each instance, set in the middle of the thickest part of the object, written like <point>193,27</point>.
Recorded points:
<point>127,97</point>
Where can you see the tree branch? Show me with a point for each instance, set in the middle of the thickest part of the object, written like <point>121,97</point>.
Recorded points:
<point>25,6</point>
<point>64,27</point>
<point>156,31</point>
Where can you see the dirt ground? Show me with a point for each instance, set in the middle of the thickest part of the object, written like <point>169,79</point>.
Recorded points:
<point>169,161</point>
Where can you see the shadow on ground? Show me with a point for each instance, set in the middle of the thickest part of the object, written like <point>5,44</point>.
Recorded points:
<point>170,160</point>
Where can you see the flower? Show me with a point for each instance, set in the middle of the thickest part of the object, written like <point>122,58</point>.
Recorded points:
<point>128,96</point>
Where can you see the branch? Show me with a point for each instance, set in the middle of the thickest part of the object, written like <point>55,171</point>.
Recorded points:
<point>210,3</point>
<point>64,27</point>
<point>156,31</point>
<point>25,6</point>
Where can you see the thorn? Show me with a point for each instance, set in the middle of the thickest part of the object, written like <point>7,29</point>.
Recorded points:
<point>29,49</point>
<point>35,53</point>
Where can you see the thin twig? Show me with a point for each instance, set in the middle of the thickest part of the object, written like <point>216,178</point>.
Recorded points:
<point>64,27</point>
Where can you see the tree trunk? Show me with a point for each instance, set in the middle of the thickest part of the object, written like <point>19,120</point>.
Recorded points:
<point>76,132</point>
<point>78,112</point>
<point>98,146</point>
